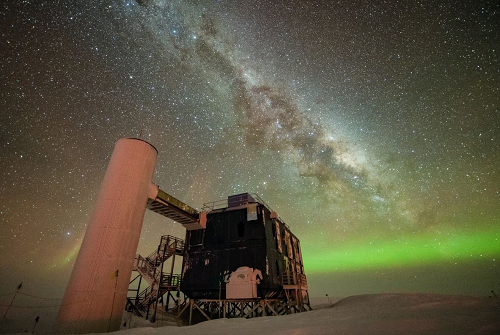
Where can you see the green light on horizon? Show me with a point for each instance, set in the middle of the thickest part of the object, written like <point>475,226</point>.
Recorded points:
<point>419,250</point>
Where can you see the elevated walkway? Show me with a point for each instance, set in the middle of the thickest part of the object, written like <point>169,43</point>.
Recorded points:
<point>170,207</point>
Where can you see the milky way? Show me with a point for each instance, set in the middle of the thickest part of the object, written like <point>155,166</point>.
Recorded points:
<point>371,128</point>
<point>268,116</point>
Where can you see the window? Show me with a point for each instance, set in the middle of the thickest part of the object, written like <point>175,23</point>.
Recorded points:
<point>277,234</point>
<point>241,229</point>
<point>196,237</point>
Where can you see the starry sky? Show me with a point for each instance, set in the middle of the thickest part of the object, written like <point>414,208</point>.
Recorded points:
<point>371,127</point>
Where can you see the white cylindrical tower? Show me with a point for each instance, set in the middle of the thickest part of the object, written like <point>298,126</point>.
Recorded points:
<point>96,294</point>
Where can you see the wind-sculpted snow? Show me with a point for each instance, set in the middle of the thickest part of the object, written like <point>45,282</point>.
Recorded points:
<point>371,314</point>
<point>375,314</point>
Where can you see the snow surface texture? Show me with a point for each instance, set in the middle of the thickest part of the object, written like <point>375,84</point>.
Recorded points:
<point>377,314</point>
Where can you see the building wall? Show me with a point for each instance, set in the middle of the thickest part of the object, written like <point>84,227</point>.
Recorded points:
<point>237,237</point>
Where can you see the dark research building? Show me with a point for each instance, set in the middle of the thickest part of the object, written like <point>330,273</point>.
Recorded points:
<point>245,252</point>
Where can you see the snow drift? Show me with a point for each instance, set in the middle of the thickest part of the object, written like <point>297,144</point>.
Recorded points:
<point>376,314</point>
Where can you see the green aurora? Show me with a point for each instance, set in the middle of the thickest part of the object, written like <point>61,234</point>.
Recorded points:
<point>419,250</point>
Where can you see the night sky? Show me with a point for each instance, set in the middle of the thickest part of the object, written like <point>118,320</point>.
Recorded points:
<point>371,127</point>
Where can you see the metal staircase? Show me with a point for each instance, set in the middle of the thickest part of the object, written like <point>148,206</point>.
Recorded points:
<point>150,269</point>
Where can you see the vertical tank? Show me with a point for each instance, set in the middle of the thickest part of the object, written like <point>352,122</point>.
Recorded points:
<point>96,293</point>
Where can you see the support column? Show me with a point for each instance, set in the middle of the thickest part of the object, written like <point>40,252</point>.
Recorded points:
<point>96,293</point>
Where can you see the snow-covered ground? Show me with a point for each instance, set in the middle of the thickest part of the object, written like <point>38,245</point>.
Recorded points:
<point>376,314</point>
